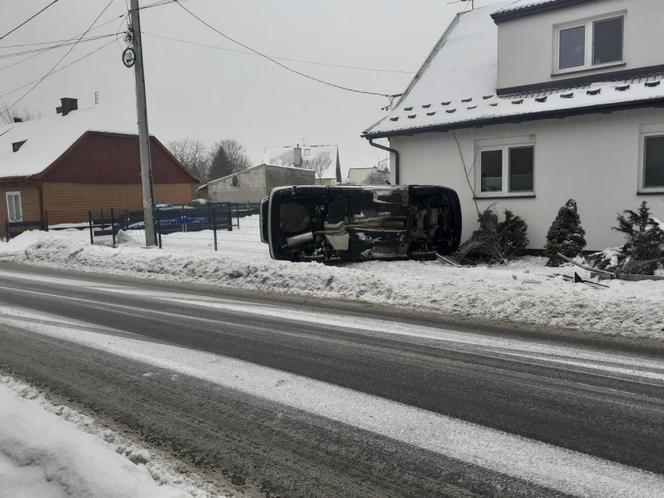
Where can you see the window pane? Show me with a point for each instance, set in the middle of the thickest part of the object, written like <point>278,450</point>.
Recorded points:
<point>572,47</point>
<point>608,41</point>
<point>492,171</point>
<point>14,207</point>
<point>522,160</point>
<point>654,167</point>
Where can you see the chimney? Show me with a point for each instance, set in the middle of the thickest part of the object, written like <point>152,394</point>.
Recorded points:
<point>297,156</point>
<point>67,104</point>
<point>17,119</point>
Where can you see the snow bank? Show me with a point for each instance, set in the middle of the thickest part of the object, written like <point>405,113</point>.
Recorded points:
<point>55,458</point>
<point>524,291</point>
<point>54,451</point>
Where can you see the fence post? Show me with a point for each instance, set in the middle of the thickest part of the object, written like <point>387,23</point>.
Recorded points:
<point>237,213</point>
<point>158,226</point>
<point>45,222</point>
<point>182,219</point>
<point>92,232</point>
<point>7,229</point>
<point>214,227</point>
<point>230,217</point>
<point>113,226</point>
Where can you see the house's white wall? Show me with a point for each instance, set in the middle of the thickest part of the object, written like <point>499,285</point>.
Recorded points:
<point>593,159</point>
<point>526,45</point>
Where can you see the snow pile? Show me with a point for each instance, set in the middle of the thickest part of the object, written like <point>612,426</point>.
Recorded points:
<point>54,451</point>
<point>524,291</point>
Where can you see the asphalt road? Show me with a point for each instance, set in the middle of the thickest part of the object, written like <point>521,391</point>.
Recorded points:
<point>593,399</point>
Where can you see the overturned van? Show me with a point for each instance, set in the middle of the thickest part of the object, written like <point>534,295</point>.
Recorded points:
<point>330,223</point>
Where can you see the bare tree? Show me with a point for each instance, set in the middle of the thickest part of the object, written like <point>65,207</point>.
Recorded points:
<point>194,155</point>
<point>229,157</point>
<point>378,177</point>
<point>318,164</point>
<point>9,116</point>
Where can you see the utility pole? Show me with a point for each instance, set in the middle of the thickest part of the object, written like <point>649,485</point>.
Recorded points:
<point>143,132</point>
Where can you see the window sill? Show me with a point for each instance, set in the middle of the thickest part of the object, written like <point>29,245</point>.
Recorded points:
<point>504,196</point>
<point>586,69</point>
<point>657,191</point>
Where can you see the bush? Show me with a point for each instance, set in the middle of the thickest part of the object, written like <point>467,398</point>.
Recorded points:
<point>566,235</point>
<point>644,249</point>
<point>494,241</point>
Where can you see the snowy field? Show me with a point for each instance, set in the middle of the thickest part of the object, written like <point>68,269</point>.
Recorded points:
<point>523,291</point>
<point>50,451</point>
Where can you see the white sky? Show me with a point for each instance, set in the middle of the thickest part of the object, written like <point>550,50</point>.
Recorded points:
<point>212,94</point>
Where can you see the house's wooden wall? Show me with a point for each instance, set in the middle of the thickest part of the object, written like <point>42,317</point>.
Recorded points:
<point>70,202</point>
<point>29,201</point>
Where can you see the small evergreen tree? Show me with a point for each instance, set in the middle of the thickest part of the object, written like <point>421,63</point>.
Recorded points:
<point>512,235</point>
<point>644,248</point>
<point>494,241</point>
<point>566,235</point>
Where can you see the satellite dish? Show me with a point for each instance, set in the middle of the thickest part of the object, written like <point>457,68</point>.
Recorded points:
<point>129,57</point>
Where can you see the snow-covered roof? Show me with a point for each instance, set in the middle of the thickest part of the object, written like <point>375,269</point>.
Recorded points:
<point>456,86</point>
<point>47,139</point>
<point>517,8</point>
<point>285,156</point>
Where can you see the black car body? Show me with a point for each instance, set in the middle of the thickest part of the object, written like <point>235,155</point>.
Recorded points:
<point>340,223</point>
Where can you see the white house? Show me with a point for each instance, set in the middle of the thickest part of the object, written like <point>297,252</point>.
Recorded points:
<point>528,103</point>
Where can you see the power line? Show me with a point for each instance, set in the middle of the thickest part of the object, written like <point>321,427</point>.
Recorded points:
<point>54,42</point>
<point>37,52</point>
<point>28,20</point>
<point>290,59</point>
<point>283,66</point>
<point>50,71</point>
<point>66,66</point>
<point>155,4</point>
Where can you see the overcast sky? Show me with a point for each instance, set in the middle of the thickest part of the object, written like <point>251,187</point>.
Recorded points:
<point>212,94</point>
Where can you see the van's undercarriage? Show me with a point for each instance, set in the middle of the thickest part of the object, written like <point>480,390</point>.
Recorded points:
<point>361,223</point>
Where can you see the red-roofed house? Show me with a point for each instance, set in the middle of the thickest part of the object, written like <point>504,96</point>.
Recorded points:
<point>84,160</point>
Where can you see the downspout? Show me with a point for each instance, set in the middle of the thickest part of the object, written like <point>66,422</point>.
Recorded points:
<point>396,158</point>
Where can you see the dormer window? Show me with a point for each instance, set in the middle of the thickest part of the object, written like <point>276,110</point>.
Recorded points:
<point>17,145</point>
<point>589,44</point>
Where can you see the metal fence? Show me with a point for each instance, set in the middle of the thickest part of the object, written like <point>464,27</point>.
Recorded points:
<point>175,225</point>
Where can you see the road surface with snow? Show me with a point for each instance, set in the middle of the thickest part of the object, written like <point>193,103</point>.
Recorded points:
<point>304,399</point>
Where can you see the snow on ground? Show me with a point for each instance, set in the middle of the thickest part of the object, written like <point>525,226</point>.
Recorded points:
<point>50,451</point>
<point>556,468</point>
<point>523,291</point>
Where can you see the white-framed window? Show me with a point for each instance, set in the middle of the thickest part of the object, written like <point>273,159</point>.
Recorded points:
<point>592,43</point>
<point>14,207</point>
<point>505,170</point>
<point>651,163</point>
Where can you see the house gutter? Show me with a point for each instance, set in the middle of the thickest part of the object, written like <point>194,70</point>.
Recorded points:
<point>396,158</point>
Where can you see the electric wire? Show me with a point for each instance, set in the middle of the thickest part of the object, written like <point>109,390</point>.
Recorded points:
<point>274,61</point>
<point>44,50</point>
<point>28,19</point>
<point>55,66</point>
<point>66,66</point>
<point>289,59</point>
<point>55,42</point>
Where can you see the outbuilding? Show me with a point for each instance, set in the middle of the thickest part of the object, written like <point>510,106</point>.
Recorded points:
<point>253,184</point>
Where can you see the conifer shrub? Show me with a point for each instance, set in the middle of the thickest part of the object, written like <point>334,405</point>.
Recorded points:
<point>644,247</point>
<point>566,235</point>
<point>495,241</point>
